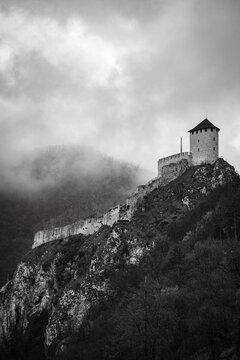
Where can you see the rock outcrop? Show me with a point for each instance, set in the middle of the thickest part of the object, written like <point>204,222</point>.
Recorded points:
<point>58,284</point>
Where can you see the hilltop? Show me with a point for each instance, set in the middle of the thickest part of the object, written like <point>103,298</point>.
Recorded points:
<point>163,285</point>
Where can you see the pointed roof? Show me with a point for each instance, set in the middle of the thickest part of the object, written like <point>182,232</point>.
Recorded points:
<point>205,124</point>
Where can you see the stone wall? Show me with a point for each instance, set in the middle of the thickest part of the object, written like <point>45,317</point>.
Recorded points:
<point>172,159</point>
<point>112,216</point>
<point>85,227</point>
<point>204,146</point>
<point>173,170</point>
<point>169,172</point>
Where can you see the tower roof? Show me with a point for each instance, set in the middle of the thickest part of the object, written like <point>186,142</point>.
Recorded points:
<point>205,124</point>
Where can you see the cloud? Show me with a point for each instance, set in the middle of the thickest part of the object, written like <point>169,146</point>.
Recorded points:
<point>94,11</point>
<point>71,48</point>
<point>126,77</point>
<point>52,76</point>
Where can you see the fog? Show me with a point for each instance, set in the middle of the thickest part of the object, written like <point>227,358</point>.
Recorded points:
<point>59,166</point>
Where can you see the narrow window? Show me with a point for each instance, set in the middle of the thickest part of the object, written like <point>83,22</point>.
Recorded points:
<point>213,139</point>
<point>201,130</point>
<point>211,129</point>
<point>214,148</point>
<point>198,150</point>
<point>198,140</point>
<point>205,130</point>
<point>197,132</point>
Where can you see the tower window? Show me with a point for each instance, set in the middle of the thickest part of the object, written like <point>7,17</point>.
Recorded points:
<point>198,140</point>
<point>213,139</point>
<point>198,150</point>
<point>214,148</point>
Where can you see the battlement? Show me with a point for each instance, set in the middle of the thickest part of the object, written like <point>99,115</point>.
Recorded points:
<point>173,159</point>
<point>177,156</point>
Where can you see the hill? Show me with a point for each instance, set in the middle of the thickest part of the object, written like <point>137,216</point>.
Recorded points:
<point>53,187</point>
<point>163,286</point>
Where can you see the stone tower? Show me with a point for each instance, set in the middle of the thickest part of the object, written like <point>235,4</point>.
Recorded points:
<point>204,143</point>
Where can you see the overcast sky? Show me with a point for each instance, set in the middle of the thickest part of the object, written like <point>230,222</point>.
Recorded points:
<point>128,77</point>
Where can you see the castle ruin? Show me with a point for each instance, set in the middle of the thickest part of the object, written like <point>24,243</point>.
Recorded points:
<point>203,149</point>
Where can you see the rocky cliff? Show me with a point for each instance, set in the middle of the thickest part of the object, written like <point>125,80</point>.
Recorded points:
<point>62,288</point>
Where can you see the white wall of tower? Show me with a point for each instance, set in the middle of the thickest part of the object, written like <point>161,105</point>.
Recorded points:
<point>204,146</point>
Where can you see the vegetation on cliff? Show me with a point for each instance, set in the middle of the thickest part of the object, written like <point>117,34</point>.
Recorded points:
<point>55,187</point>
<point>164,286</point>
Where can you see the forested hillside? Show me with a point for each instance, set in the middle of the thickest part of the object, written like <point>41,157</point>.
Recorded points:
<point>164,286</point>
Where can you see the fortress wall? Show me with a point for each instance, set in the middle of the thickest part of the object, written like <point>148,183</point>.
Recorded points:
<point>85,227</point>
<point>173,170</point>
<point>44,236</point>
<point>111,216</point>
<point>142,191</point>
<point>172,167</point>
<point>169,171</point>
<point>90,226</point>
<point>172,159</point>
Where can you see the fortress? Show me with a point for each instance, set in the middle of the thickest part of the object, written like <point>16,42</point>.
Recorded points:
<point>203,149</point>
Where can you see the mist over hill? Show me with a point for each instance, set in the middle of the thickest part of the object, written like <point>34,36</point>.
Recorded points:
<point>56,186</point>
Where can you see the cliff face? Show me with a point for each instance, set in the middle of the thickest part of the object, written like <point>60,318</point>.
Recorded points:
<point>57,288</point>
<point>61,281</point>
